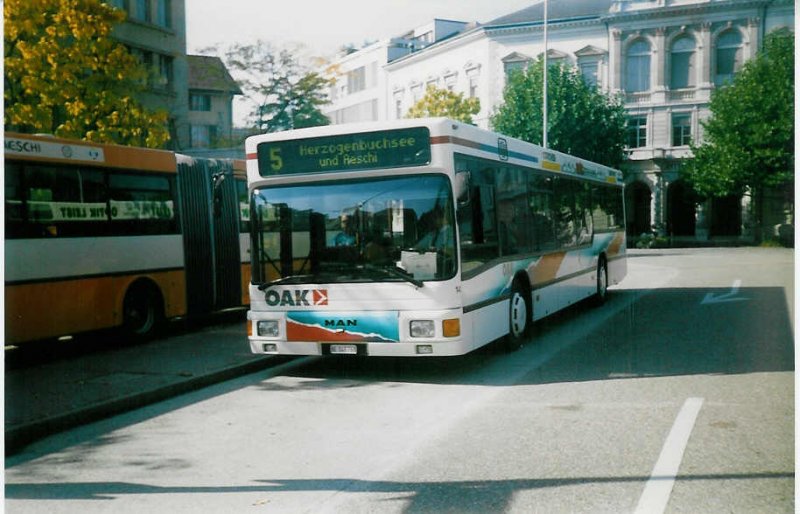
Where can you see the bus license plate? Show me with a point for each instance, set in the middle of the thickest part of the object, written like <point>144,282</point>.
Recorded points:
<point>344,349</point>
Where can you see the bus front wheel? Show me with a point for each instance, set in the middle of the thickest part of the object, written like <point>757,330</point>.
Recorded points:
<point>141,312</point>
<point>519,317</point>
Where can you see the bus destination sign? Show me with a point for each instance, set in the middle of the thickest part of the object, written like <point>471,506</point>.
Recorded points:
<point>368,150</point>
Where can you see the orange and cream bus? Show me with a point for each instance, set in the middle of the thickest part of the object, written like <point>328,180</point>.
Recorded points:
<point>100,236</point>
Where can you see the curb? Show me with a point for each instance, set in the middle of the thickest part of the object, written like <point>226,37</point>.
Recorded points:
<point>22,435</point>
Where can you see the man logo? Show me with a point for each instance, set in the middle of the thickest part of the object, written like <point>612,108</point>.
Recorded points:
<point>319,297</point>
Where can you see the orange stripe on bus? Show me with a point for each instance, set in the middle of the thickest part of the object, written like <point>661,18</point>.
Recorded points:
<point>114,156</point>
<point>546,269</point>
<point>246,284</point>
<point>52,309</point>
<point>615,245</point>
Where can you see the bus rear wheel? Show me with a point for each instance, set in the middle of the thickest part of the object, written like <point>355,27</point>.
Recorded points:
<point>519,318</point>
<point>602,283</point>
<point>141,312</point>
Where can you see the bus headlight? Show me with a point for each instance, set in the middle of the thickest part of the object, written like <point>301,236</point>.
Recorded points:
<point>268,328</point>
<point>422,328</point>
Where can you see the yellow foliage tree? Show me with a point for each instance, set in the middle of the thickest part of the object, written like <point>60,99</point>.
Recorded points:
<point>65,75</point>
<point>442,102</point>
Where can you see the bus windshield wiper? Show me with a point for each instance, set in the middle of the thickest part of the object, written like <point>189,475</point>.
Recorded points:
<point>282,280</point>
<point>311,278</point>
<point>395,272</point>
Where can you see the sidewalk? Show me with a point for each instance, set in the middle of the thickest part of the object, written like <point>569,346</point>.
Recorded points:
<point>47,398</point>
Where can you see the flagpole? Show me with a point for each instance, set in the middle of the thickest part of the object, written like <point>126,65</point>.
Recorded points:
<point>544,82</point>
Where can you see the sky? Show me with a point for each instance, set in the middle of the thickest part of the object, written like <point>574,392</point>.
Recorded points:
<point>323,26</point>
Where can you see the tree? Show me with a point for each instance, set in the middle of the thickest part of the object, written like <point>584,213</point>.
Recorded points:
<point>442,102</point>
<point>65,75</point>
<point>749,138</point>
<point>283,94</point>
<point>582,121</point>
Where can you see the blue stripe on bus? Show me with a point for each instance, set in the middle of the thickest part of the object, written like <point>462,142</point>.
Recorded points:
<point>523,157</point>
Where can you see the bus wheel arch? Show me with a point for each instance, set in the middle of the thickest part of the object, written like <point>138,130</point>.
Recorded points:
<point>142,309</point>
<point>520,314</point>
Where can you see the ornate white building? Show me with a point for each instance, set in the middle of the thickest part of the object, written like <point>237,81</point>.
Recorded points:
<point>665,57</point>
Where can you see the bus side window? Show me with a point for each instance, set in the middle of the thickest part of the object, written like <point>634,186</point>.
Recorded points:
<point>142,204</point>
<point>583,205</point>
<point>15,214</point>
<point>65,201</point>
<point>541,213</point>
<point>606,208</point>
<point>512,212</point>
<point>477,218</point>
<point>478,226</point>
<point>565,212</point>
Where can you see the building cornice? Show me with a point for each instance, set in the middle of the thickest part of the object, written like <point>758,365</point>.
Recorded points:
<point>538,26</point>
<point>682,10</point>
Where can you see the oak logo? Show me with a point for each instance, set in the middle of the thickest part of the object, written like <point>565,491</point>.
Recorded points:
<point>319,296</point>
<point>297,297</point>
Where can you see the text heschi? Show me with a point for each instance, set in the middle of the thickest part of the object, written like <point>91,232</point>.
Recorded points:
<point>349,160</point>
<point>19,146</point>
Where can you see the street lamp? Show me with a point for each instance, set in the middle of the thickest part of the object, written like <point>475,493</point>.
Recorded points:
<point>544,82</point>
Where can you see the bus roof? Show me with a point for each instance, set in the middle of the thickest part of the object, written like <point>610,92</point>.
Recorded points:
<point>59,150</point>
<point>467,138</point>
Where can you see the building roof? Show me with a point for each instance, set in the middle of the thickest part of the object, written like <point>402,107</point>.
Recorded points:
<point>210,74</point>
<point>558,11</point>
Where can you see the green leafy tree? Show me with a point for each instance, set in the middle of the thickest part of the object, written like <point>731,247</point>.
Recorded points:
<point>442,102</point>
<point>65,75</point>
<point>748,141</point>
<point>582,121</point>
<point>282,93</point>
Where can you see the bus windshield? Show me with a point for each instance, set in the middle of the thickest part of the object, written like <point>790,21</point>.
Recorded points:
<point>370,230</point>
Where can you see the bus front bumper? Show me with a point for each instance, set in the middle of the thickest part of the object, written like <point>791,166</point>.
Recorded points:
<point>399,349</point>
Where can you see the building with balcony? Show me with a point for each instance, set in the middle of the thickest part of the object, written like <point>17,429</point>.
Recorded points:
<point>665,57</point>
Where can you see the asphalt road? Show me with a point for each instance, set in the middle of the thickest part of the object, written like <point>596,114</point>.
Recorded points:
<point>676,396</point>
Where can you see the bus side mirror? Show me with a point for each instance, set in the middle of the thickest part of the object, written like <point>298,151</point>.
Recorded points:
<point>462,187</point>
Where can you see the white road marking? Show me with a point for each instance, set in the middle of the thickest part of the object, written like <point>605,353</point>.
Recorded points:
<point>656,493</point>
<point>727,297</point>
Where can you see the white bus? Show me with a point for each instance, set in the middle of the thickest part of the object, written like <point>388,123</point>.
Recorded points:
<point>421,237</point>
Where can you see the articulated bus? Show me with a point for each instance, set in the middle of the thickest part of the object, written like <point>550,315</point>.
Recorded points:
<point>423,237</point>
<point>101,236</point>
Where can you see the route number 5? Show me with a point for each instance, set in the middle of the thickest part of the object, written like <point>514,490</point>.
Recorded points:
<point>275,159</point>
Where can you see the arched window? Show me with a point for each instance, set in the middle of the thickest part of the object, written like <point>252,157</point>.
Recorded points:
<point>682,63</point>
<point>729,56</point>
<point>637,67</point>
